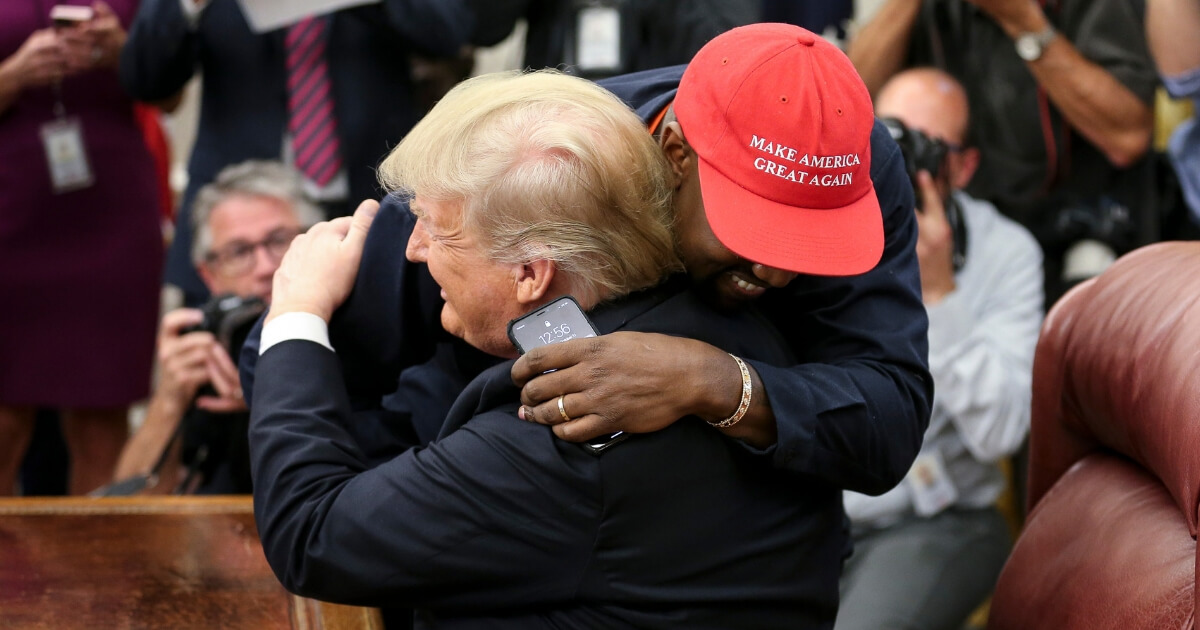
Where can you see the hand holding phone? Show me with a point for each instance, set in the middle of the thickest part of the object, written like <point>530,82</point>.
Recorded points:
<point>559,321</point>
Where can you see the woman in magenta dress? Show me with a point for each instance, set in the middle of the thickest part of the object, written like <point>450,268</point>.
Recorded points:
<point>80,244</point>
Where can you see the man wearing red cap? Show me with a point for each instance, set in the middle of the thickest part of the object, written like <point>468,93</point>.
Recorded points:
<point>785,181</point>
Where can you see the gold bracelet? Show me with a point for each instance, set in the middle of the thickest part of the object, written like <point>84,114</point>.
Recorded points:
<point>744,405</point>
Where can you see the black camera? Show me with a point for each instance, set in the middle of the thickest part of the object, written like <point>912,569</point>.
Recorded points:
<point>1101,219</point>
<point>229,318</point>
<point>923,153</point>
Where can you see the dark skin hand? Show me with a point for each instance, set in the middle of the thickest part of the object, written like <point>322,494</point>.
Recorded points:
<point>638,383</point>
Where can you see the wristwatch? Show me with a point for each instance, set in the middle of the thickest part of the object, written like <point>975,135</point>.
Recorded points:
<point>1030,46</point>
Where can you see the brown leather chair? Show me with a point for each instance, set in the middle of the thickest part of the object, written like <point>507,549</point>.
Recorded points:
<point>1114,471</point>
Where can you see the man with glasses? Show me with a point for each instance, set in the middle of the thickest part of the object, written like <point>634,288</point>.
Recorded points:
<point>194,435</point>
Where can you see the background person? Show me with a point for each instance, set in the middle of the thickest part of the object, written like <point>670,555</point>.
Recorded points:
<point>246,219</point>
<point>1061,94</point>
<point>928,552</point>
<point>79,238</point>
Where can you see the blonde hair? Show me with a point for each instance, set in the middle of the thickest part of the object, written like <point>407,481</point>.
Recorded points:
<point>546,166</point>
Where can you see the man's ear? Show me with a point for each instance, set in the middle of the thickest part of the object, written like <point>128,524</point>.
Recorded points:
<point>969,162</point>
<point>534,280</point>
<point>677,150</point>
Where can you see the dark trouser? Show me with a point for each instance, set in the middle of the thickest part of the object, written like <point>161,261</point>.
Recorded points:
<point>923,573</point>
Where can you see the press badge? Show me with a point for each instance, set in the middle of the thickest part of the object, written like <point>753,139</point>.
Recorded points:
<point>598,39</point>
<point>66,156</point>
<point>931,488</point>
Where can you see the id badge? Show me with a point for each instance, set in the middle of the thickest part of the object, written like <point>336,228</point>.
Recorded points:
<point>931,488</point>
<point>599,39</point>
<point>66,155</point>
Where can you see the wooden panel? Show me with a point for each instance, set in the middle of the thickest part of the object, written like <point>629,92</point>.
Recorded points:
<point>146,562</point>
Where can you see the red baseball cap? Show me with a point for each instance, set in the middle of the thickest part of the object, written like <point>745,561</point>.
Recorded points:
<point>781,123</point>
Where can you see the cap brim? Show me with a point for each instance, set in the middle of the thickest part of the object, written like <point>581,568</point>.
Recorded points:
<point>842,241</point>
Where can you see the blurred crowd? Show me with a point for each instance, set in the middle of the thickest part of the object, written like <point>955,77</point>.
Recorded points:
<point>1042,138</point>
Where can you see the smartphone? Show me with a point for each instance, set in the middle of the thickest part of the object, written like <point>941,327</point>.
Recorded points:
<point>556,322</point>
<point>63,15</point>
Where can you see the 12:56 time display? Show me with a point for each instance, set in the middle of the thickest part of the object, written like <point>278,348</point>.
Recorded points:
<point>558,332</point>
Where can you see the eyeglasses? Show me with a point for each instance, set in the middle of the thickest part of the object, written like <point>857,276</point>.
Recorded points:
<point>237,258</point>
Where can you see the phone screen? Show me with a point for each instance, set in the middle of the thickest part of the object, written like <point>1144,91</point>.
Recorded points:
<point>556,322</point>
<point>67,15</point>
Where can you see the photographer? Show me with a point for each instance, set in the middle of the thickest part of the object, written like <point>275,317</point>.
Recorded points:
<point>1062,92</point>
<point>929,551</point>
<point>196,420</point>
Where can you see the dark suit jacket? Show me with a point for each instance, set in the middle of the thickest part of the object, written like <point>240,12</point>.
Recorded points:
<point>243,112</point>
<point>500,524</point>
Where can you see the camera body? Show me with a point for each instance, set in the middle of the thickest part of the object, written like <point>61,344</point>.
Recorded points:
<point>229,318</point>
<point>924,153</point>
<point>921,152</point>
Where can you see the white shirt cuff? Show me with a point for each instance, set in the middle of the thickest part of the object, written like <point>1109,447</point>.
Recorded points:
<point>192,10</point>
<point>296,325</point>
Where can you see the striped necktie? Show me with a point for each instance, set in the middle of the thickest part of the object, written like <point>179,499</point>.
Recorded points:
<point>311,119</point>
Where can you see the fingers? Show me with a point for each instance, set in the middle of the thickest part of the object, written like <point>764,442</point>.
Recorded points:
<point>42,59</point>
<point>362,219</point>
<point>583,429</point>
<point>931,197</point>
<point>548,412</point>
<point>198,342</point>
<point>220,405</point>
<point>572,428</point>
<point>223,373</point>
<point>179,319</point>
<point>336,227</point>
<point>185,365</point>
<point>547,387</point>
<point>102,9</point>
<point>318,271</point>
<point>553,357</point>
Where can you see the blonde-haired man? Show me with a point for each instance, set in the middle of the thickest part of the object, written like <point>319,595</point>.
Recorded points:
<point>526,188</point>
